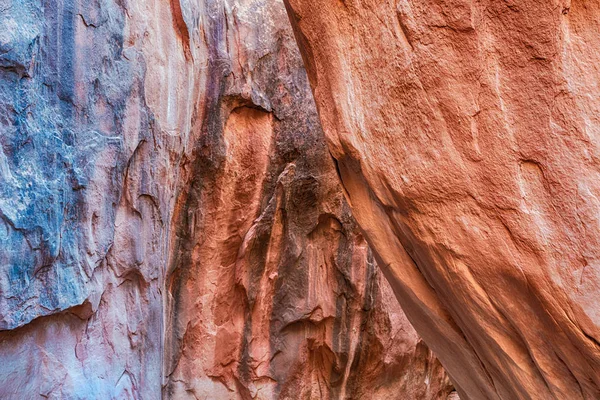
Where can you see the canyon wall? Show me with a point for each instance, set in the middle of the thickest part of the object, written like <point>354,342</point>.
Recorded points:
<point>96,103</point>
<point>466,135</point>
<point>171,221</point>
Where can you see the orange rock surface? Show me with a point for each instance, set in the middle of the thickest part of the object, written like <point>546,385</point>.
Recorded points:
<point>466,138</point>
<point>272,291</point>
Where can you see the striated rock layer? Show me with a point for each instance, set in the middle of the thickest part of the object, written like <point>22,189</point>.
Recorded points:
<point>171,223</point>
<point>466,136</point>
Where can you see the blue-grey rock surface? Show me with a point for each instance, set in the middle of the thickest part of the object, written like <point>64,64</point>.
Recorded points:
<point>89,155</point>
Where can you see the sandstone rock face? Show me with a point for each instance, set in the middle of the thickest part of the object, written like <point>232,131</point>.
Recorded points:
<point>466,136</point>
<point>271,291</point>
<point>95,103</point>
<point>171,223</point>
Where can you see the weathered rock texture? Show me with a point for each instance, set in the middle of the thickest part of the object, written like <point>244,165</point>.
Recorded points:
<point>272,292</point>
<point>466,136</point>
<point>170,219</point>
<point>95,103</point>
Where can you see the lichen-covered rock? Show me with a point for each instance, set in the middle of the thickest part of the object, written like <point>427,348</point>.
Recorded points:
<point>466,136</point>
<point>171,223</point>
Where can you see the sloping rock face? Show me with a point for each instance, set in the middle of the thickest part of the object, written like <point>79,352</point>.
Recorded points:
<point>170,219</point>
<point>466,135</point>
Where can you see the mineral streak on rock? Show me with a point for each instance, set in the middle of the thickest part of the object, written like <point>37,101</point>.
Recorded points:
<point>272,292</point>
<point>170,218</point>
<point>466,136</point>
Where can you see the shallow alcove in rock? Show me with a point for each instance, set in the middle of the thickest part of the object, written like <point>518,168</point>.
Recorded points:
<point>272,292</point>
